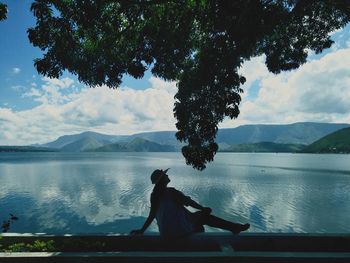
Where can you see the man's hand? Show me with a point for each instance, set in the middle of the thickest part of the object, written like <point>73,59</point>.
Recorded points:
<point>207,210</point>
<point>136,232</point>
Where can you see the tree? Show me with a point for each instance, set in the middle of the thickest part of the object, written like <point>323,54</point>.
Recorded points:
<point>3,11</point>
<point>199,43</point>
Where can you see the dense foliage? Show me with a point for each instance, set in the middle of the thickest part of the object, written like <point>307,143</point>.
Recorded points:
<point>199,43</point>
<point>3,11</point>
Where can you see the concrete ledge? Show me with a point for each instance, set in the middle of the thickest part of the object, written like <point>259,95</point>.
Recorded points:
<point>205,247</point>
<point>172,257</point>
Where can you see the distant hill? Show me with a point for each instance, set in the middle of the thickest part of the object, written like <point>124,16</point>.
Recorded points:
<point>161,137</point>
<point>297,133</point>
<point>136,145</point>
<point>143,145</point>
<point>68,139</point>
<point>84,144</point>
<point>114,147</point>
<point>336,142</point>
<point>25,149</point>
<point>265,147</point>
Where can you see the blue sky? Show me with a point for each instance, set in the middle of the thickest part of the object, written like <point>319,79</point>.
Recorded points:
<point>34,109</point>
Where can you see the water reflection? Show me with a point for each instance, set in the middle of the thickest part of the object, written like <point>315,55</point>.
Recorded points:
<point>109,192</point>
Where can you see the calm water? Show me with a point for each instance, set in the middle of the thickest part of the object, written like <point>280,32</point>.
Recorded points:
<point>109,192</point>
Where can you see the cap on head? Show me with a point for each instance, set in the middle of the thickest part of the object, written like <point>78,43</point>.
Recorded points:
<point>157,175</point>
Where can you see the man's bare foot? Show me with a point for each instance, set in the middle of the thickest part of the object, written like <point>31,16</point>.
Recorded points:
<point>241,228</point>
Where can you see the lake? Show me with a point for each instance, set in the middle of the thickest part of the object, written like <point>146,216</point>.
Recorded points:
<point>109,192</point>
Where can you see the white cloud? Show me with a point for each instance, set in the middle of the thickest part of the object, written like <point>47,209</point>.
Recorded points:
<point>253,70</point>
<point>16,70</point>
<point>18,88</point>
<point>32,93</point>
<point>64,109</point>
<point>63,83</point>
<point>317,91</point>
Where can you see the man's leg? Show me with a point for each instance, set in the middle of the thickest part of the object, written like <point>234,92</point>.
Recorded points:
<point>218,222</point>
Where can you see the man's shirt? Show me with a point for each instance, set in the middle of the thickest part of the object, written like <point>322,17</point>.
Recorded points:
<point>173,219</point>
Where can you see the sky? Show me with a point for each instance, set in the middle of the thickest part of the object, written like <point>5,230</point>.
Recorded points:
<point>36,109</point>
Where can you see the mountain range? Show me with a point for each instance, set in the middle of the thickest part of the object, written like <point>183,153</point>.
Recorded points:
<point>265,147</point>
<point>281,138</point>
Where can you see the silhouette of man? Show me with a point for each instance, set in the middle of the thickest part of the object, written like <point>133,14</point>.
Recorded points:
<point>173,219</point>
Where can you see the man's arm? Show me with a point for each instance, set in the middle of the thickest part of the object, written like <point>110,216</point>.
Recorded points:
<point>194,204</point>
<point>187,201</point>
<point>150,218</point>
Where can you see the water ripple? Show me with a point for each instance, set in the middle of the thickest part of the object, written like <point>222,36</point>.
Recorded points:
<point>302,169</point>
<point>95,193</point>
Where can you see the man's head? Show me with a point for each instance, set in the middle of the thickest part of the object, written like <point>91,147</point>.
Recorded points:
<point>160,176</point>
